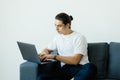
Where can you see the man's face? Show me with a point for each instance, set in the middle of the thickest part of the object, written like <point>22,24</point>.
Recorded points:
<point>60,27</point>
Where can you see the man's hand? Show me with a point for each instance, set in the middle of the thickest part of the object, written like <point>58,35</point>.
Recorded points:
<point>44,57</point>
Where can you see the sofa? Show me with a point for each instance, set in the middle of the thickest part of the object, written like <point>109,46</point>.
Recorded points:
<point>104,55</point>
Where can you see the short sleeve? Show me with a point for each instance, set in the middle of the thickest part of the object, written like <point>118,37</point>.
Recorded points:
<point>80,45</point>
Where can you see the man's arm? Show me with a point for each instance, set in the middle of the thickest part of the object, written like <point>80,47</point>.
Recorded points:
<point>46,51</point>
<point>74,59</point>
<point>43,54</point>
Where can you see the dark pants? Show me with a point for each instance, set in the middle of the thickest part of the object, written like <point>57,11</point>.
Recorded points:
<point>79,72</point>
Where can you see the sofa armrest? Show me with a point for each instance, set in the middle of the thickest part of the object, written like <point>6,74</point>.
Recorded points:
<point>28,71</point>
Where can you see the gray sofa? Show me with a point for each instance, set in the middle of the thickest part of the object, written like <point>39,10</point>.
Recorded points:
<point>104,55</point>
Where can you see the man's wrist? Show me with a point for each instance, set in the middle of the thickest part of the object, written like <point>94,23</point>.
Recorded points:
<point>55,56</point>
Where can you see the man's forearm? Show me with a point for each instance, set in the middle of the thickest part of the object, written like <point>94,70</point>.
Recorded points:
<point>74,60</point>
<point>46,51</point>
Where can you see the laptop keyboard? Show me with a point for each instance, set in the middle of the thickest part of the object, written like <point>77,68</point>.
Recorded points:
<point>49,60</point>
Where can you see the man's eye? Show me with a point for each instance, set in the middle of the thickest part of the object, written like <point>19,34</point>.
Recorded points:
<point>60,26</point>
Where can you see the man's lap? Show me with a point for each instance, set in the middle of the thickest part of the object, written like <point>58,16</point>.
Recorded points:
<point>65,73</point>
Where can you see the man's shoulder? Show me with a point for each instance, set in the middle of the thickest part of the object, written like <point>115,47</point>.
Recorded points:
<point>78,34</point>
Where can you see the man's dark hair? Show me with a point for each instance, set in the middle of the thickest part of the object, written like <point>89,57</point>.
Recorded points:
<point>65,18</point>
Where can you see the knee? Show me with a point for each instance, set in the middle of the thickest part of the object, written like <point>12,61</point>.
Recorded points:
<point>92,69</point>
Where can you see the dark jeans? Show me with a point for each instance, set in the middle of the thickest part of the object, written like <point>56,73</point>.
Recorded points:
<point>79,72</point>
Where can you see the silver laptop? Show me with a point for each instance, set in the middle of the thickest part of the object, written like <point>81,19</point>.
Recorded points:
<point>29,53</point>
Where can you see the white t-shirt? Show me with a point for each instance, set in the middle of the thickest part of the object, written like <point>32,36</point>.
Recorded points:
<point>67,45</point>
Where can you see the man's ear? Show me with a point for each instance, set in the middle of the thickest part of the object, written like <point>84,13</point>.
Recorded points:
<point>68,25</point>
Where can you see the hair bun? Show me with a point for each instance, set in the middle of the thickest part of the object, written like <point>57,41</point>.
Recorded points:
<point>71,18</point>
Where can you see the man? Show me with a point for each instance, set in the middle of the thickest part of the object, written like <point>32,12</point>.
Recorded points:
<point>72,50</point>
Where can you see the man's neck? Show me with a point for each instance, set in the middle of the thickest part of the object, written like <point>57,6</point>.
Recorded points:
<point>68,32</point>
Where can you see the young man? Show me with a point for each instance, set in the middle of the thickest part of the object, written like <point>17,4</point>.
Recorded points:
<point>72,50</point>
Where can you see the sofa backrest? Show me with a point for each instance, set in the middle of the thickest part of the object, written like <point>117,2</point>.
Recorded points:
<point>98,54</point>
<point>114,61</point>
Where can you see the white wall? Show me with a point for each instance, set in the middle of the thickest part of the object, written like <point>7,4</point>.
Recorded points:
<point>33,21</point>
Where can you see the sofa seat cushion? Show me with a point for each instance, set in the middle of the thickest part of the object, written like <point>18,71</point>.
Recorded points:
<point>114,61</point>
<point>98,54</point>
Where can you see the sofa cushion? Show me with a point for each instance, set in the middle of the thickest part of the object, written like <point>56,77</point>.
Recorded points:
<point>98,54</point>
<point>114,60</point>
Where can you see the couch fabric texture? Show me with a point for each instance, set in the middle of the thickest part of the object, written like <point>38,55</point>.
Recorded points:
<point>104,55</point>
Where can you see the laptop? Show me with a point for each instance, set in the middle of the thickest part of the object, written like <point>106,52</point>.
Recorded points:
<point>29,53</point>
